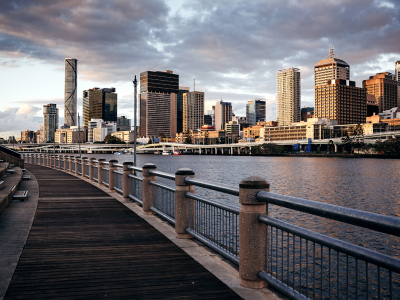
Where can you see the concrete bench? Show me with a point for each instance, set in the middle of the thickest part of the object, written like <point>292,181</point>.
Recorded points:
<point>26,177</point>
<point>20,195</point>
<point>23,170</point>
<point>10,171</point>
<point>1,184</point>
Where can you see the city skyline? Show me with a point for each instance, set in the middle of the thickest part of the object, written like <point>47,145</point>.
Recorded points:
<point>237,63</point>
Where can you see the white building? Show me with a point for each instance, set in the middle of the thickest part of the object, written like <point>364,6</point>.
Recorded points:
<point>98,130</point>
<point>393,113</point>
<point>288,96</point>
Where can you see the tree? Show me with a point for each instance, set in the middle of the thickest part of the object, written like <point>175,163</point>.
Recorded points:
<point>110,139</point>
<point>347,143</point>
<point>187,137</point>
<point>358,138</point>
<point>388,147</point>
<point>206,138</point>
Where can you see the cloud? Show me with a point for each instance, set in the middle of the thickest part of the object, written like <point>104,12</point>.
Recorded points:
<point>13,120</point>
<point>233,48</point>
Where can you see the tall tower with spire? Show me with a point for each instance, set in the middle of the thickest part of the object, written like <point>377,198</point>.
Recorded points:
<point>70,100</point>
<point>330,68</point>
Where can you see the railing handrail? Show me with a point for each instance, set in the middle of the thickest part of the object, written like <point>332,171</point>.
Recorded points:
<point>118,165</point>
<point>162,174</point>
<point>226,207</point>
<point>135,168</point>
<point>377,222</point>
<point>118,172</point>
<point>135,177</point>
<point>164,186</point>
<point>227,189</point>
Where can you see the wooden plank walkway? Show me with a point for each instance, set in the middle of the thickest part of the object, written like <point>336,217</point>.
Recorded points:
<point>85,244</point>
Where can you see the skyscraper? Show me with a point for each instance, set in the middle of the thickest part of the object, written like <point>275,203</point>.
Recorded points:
<point>223,114</point>
<point>288,96</point>
<point>382,88</point>
<point>397,74</point>
<point>255,111</point>
<point>158,103</point>
<point>70,100</point>
<point>50,122</point>
<point>179,108</point>
<point>193,110</point>
<point>330,68</point>
<point>99,104</point>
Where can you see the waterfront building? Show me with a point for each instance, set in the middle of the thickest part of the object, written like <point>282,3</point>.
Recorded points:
<point>372,105</point>
<point>193,110</point>
<point>36,136</point>
<point>158,103</point>
<point>28,136</point>
<point>105,128</point>
<point>383,87</point>
<point>70,135</point>
<point>242,121</point>
<point>330,68</point>
<point>397,76</point>
<point>222,114</point>
<point>393,113</point>
<point>100,104</point>
<point>306,113</point>
<point>179,108</point>
<point>255,111</point>
<point>211,114</point>
<point>123,124</point>
<point>50,122</point>
<point>288,96</point>
<point>70,89</point>
<point>126,136</point>
<point>208,120</point>
<point>342,101</point>
<point>232,129</point>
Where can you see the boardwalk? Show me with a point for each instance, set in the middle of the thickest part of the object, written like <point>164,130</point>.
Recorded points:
<point>85,244</point>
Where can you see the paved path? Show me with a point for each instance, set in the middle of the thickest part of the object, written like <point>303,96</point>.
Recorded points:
<point>85,244</point>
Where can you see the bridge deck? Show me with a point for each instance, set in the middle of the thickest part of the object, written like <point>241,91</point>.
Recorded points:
<point>85,244</point>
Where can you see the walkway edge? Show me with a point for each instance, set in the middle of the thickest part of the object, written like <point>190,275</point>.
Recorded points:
<point>212,261</point>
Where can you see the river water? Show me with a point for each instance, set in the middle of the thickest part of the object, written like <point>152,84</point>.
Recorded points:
<point>360,183</point>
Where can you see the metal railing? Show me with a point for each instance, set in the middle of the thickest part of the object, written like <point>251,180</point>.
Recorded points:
<point>87,169</point>
<point>96,171</point>
<point>135,185</point>
<point>57,163</point>
<point>163,197</point>
<point>73,167</point>
<point>62,164</point>
<point>105,176</point>
<point>80,168</point>
<point>66,165</point>
<point>118,181</point>
<point>302,263</point>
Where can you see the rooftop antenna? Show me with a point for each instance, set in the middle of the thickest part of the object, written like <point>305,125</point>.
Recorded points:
<point>331,48</point>
<point>194,84</point>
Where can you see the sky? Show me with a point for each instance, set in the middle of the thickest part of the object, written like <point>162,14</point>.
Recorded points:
<point>232,48</point>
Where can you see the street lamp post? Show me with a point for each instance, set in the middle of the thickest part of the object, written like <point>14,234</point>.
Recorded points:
<point>134,121</point>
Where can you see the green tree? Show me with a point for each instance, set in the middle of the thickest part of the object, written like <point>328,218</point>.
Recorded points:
<point>187,137</point>
<point>110,139</point>
<point>388,147</point>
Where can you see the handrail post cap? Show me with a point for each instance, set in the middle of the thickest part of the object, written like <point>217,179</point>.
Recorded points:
<point>254,182</point>
<point>113,161</point>
<point>127,163</point>
<point>101,159</point>
<point>250,187</point>
<point>92,158</point>
<point>149,166</point>
<point>184,171</point>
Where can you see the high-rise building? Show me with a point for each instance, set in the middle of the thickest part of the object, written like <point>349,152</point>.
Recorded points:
<point>50,122</point>
<point>288,96</point>
<point>27,136</point>
<point>99,104</point>
<point>342,101</point>
<point>179,108</point>
<point>123,124</point>
<point>158,103</point>
<point>255,111</point>
<point>211,115</point>
<point>222,114</point>
<point>193,110</point>
<point>397,74</point>
<point>383,86</point>
<point>330,68</point>
<point>70,100</point>
<point>306,113</point>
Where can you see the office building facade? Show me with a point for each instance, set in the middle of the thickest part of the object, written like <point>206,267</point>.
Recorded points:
<point>342,101</point>
<point>255,111</point>
<point>158,92</point>
<point>383,88</point>
<point>179,108</point>
<point>50,122</point>
<point>28,136</point>
<point>70,89</point>
<point>193,110</point>
<point>222,114</point>
<point>397,74</point>
<point>330,68</point>
<point>100,104</point>
<point>123,124</point>
<point>288,96</point>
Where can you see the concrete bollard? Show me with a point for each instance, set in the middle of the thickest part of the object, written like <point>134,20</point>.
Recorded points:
<point>100,171</point>
<point>111,169</point>
<point>91,168</point>
<point>251,232</point>
<point>125,180</point>
<point>182,203</point>
<point>147,188</point>
<point>77,159</point>
<point>84,166</point>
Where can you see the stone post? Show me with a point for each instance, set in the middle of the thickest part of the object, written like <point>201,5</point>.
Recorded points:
<point>125,180</point>
<point>91,168</point>
<point>251,232</point>
<point>111,169</point>
<point>100,171</point>
<point>76,165</point>
<point>182,203</point>
<point>84,166</point>
<point>147,188</point>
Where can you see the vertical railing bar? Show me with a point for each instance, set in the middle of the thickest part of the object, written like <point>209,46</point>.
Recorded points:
<point>307,268</point>
<point>337,274</point>
<point>321,270</point>
<point>276,251</point>
<point>347,275</point>
<point>282,255</point>
<point>301,262</point>
<point>329,273</point>
<point>294,259</point>
<point>390,284</point>
<point>313,270</point>
<point>366,277</point>
<point>379,282</point>
<point>356,278</point>
<point>287,262</point>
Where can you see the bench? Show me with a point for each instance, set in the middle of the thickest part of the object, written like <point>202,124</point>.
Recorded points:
<point>20,195</point>
<point>10,171</point>
<point>1,184</point>
<point>23,170</point>
<point>26,177</point>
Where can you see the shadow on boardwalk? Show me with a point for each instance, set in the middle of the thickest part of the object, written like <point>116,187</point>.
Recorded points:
<point>85,244</point>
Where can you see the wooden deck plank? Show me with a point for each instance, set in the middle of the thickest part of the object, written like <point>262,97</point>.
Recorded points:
<point>84,244</point>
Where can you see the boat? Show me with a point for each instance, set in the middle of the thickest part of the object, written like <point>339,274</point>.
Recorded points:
<point>118,152</point>
<point>157,152</point>
<point>166,153</point>
<point>177,152</point>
